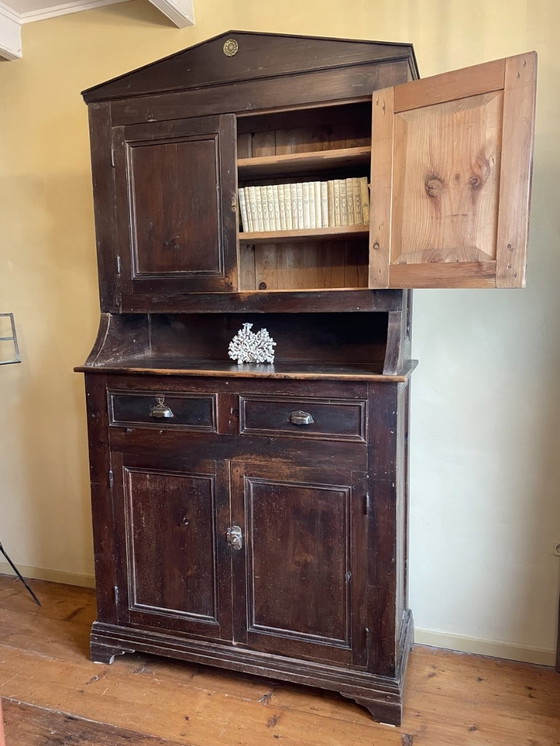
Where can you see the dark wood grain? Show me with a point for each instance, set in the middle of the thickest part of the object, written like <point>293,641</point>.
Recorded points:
<point>203,64</point>
<point>321,87</point>
<point>181,234</point>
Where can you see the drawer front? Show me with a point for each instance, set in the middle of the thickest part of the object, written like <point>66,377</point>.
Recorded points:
<point>163,410</point>
<point>324,419</point>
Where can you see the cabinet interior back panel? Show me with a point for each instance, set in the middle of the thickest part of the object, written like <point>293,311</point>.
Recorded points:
<point>446,186</point>
<point>329,264</point>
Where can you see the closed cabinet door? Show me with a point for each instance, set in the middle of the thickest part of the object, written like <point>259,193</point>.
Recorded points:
<point>299,575</point>
<point>175,185</point>
<point>174,573</point>
<point>450,178</point>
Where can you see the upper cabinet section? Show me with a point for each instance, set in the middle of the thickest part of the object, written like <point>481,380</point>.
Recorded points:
<point>450,178</point>
<point>252,173</point>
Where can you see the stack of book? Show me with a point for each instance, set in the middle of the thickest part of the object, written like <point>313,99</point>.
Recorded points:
<point>309,204</point>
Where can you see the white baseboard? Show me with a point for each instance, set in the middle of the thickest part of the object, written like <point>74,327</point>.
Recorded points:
<point>492,648</point>
<point>54,576</point>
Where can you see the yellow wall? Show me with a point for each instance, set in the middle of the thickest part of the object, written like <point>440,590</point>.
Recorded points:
<point>485,466</point>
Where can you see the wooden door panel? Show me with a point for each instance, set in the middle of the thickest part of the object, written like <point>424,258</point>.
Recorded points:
<point>176,187</point>
<point>451,163</point>
<point>297,586</point>
<point>297,565</point>
<point>458,220</point>
<point>172,571</point>
<point>174,225</point>
<point>171,542</point>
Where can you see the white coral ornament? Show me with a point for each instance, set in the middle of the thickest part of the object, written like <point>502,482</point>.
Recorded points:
<point>248,347</point>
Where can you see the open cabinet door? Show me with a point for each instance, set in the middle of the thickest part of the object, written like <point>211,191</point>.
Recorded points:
<point>450,178</point>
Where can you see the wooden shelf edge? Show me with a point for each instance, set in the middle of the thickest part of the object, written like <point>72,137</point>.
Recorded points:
<point>294,162</point>
<point>305,234</point>
<point>246,371</point>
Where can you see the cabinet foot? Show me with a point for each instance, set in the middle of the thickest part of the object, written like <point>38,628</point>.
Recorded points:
<point>389,712</point>
<point>102,653</point>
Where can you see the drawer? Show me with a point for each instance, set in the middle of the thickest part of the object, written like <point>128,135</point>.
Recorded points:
<point>162,410</point>
<point>324,419</point>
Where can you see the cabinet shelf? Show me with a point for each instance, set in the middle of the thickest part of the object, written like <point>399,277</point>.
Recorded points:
<point>339,232</point>
<point>317,161</point>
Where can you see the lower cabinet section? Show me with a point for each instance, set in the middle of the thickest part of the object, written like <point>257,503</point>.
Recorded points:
<point>274,555</point>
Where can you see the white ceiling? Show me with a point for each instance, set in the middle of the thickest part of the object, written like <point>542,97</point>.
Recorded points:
<point>14,13</point>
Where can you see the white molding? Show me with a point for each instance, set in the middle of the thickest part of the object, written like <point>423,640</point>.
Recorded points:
<point>76,6</point>
<point>492,648</point>
<point>53,576</point>
<point>10,33</point>
<point>181,12</point>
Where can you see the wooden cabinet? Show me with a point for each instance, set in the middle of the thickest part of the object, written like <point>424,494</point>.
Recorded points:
<point>254,517</point>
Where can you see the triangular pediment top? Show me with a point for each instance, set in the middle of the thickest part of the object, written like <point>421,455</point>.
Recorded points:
<point>243,55</point>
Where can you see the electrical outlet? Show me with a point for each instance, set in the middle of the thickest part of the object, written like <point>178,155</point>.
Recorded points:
<point>556,550</point>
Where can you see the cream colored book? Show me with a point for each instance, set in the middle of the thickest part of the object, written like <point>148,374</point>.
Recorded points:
<point>245,225</point>
<point>336,189</point>
<point>343,203</point>
<point>276,206</point>
<point>282,207</point>
<point>364,191</point>
<point>306,216</point>
<point>251,208</point>
<point>269,198</point>
<point>357,201</point>
<point>330,198</point>
<point>286,188</point>
<point>316,204</point>
<point>323,188</point>
<point>262,213</point>
<point>294,205</point>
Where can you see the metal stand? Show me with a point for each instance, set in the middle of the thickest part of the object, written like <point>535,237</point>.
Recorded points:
<point>20,576</point>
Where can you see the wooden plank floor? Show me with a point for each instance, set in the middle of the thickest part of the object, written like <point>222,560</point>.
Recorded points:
<point>53,695</point>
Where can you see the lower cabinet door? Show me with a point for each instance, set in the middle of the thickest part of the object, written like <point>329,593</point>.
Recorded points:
<point>300,576</point>
<point>174,573</point>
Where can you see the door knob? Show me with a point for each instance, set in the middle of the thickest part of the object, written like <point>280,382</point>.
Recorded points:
<point>234,537</point>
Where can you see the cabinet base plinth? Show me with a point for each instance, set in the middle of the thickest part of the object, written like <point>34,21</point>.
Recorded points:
<point>380,695</point>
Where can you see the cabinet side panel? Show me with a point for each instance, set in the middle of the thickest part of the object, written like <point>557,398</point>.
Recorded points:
<point>103,175</point>
<point>104,537</point>
<point>384,530</point>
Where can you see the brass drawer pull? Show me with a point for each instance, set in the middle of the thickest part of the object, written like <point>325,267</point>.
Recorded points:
<point>301,418</point>
<point>161,410</point>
